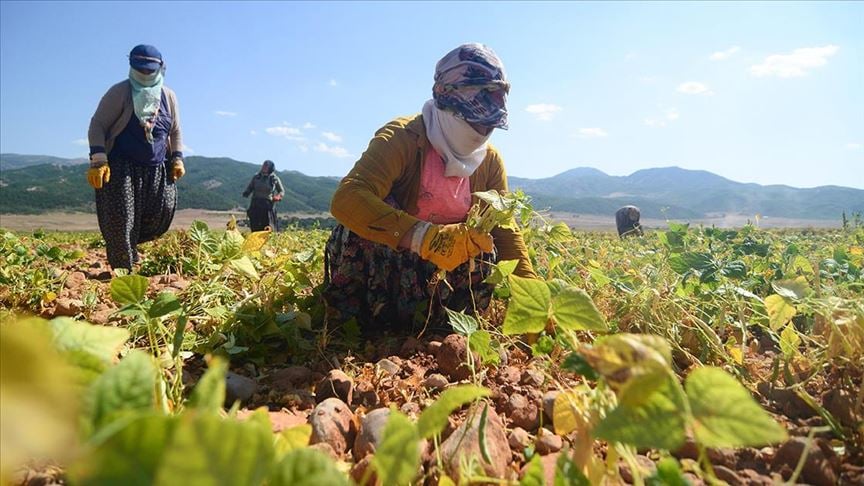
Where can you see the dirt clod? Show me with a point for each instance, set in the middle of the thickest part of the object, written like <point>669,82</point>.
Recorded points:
<point>336,384</point>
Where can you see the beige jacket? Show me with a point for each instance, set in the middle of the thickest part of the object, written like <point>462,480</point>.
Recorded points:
<point>114,112</point>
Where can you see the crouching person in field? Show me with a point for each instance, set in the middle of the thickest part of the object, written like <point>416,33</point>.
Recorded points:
<point>402,208</point>
<point>135,158</point>
<point>627,221</point>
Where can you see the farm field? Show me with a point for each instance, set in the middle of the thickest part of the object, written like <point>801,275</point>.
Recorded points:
<point>691,355</point>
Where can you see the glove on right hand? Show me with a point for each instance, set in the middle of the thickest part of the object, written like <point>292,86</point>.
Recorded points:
<point>98,176</point>
<point>450,245</point>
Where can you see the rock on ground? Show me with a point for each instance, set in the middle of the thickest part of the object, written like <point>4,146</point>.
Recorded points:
<point>238,387</point>
<point>371,432</point>
<point>333,423</point>
<point>821,466</point>
<point>464,444</point>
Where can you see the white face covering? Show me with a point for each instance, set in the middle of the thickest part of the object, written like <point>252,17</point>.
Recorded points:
<point>460,146</point>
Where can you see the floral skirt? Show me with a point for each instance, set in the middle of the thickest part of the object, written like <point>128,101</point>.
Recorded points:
<point>392,290</point>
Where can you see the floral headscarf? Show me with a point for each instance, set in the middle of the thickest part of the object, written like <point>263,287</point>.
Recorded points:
<point>470,81</point>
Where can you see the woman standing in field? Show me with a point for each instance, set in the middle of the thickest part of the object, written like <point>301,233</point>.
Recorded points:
<point>266,189</point>
<point>402,208</point>
<point>135,158</point>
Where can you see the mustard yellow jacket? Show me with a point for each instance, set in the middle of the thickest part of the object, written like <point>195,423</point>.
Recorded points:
<point>393,164</point>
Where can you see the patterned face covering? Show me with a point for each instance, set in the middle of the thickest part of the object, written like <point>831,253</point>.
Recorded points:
<point>146,97</point>
<point>470,81</point>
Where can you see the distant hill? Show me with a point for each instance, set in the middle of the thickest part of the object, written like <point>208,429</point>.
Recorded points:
<point>210,183</point>
<point>669,192</point>
<point>18,161</point>
<point>681,193</point>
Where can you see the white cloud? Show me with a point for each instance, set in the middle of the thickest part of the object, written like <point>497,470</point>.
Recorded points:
<point>331,137</point>
<point>291,133</point>
<point>188,150</point>
<point>669,116</point>
<point>333,150</point>
<point>308,126</point>
<point>543,111</point>
<point>723,55</point>
<point>631,56</point>
<point>224,113</point>
<point>333,82</point>
<point>795,64</point>
<point>854,146</point>
<point>253,132</point>
<point>81,141</point>
<point>592,133</point>
<point>648,79</point>
<point>303,147</point>
<point>694,88</point>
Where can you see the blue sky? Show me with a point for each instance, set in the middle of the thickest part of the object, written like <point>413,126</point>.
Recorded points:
<point>768,93</point>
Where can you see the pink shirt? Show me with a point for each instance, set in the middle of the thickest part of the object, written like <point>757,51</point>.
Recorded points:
<point>442,200</point>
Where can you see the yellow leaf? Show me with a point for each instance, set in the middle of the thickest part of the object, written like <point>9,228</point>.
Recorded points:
<point>571,412</point>
<point>293,438</point>
<point>780,311</point>
<point>856,250</point>
<point>446,481</point>
<point>255,241</point>
<point>48,297</point>
<point>736,354</point>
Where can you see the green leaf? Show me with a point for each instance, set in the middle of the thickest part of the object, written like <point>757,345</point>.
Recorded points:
<point>667,474</point>
<point>461,322</point>
<point>534,475</point>
<point>131,455</point>
<point>434,417</point>
<point>128,387</point>
<point>657,421</point>
<point>780,311</point>
<point>244,266</point>
<point>209,394</point>
<point>306,467</point>
<point>724,413</point>
<point>528,310</point>
<point>231,246</point>
<point>164,304</point>
<point>688,261</point>
<point>206,449</point>
<point>577,364</point>
<point>129,289</point>
<point>573,309</point>
<point>735,269</point>
<point>102,342</point>
<point>500,271</point>
<point>480,342</point>
<point>397,460</point>
<point>568,473</point>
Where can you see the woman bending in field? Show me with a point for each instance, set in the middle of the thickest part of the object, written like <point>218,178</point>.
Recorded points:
<point>402,208</point>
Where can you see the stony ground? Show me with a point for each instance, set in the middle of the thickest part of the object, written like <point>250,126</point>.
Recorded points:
<point>346,399</point>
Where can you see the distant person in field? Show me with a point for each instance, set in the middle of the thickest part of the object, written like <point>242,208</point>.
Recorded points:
<point>627,220</point>
<point>403,206</point>
<point>135,158</point>
<point>266,190</point>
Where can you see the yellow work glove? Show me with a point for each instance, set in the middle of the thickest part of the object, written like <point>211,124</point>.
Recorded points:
<point>450,245</point>
<point>178,170</point>
<point>97,176</point>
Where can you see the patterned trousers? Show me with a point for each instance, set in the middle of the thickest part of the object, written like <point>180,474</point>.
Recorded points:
<point>136,206</point>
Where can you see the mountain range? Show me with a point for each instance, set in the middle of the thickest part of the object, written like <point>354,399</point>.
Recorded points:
<point>32,184</point>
